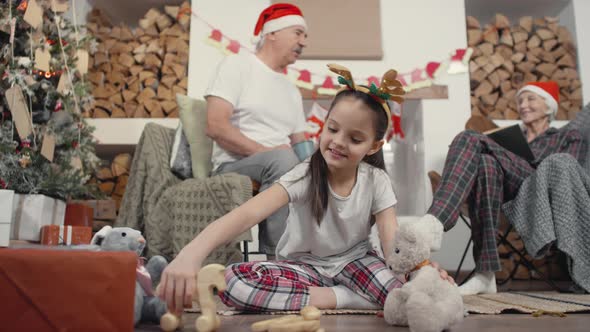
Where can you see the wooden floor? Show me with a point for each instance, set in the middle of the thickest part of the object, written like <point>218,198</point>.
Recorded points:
<point>481,323</point>
<point>349,323</point>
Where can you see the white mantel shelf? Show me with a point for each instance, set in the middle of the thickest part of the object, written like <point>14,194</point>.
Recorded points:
<point>121,135</point>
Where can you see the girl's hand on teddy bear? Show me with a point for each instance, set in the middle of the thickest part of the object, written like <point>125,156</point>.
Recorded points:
<point>443,273</point>
<point>178,283</point>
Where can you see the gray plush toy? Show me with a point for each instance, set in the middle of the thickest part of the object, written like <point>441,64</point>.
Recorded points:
<point>147,307</point>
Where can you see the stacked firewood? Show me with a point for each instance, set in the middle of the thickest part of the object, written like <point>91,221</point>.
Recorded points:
<point>112,179</point>
<point>505,56</point>
<point>136,73</point>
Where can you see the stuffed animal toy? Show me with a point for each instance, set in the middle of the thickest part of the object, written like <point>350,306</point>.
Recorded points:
<point>148,307</point>
<point>425,303</point>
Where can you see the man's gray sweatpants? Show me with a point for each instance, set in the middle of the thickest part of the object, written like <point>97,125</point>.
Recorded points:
<point>265,168</point>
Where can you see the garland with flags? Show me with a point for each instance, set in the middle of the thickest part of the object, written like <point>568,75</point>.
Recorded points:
<point>417,78</point>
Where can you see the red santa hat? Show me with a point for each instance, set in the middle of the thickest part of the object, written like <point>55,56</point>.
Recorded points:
<point>277,17</point>
<point>548,90</point>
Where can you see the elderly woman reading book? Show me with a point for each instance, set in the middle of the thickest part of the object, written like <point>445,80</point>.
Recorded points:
<point>486,175</point>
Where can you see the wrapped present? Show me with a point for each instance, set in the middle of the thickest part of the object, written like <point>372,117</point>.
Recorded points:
<point>78,214</point>
<point>31,212</point>
<point>69,235</point>
<point>6,198</point>
<point>58,290</point>
<point>104,209</point>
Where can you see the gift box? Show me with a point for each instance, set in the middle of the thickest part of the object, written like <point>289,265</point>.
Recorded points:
<point>52,235</point>
<point>31,212</point>
<point>57,290</point>
<point>78,214</point>
<point>104,209</point>
<point>6,198</point>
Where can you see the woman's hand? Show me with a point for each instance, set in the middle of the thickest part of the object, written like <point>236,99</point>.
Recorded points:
<point>443,273</point>
<point>178,283</point>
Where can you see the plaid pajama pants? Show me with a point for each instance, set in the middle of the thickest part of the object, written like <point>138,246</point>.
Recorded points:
<point>484,174</point>
<point>284,285</point>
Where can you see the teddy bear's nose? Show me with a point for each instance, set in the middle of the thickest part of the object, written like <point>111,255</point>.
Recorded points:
<point>141,239</point>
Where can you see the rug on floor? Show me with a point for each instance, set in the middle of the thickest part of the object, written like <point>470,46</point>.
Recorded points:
<point>224,310</point>
<point>492,304</point>
<point>527,302</point>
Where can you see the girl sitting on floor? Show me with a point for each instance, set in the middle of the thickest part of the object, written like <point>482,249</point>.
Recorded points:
<point>324,256</point>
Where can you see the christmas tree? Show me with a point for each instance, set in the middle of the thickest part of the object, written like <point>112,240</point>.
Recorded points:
<point>46,146</point>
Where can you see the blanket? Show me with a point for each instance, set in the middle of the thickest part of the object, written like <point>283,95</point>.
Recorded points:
<point>170,212</point>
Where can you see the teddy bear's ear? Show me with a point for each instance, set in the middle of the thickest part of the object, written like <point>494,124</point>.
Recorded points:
<point>408,233</point>
<point>100,235</point>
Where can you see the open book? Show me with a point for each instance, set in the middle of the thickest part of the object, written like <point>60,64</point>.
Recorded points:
<point>512,139</point>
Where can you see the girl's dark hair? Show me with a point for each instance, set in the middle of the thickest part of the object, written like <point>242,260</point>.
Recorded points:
<point>318,169</point>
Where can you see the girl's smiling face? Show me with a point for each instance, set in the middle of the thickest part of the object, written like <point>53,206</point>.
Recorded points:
<point>349,134</point>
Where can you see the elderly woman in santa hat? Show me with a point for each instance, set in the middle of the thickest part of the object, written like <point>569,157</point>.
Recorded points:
<point>485,174</point>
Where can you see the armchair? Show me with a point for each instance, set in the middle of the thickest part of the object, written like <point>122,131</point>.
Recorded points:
<point>169,211</point>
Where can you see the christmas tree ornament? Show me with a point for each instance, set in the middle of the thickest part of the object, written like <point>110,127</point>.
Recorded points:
<point>25,160</point>
<point>58,106</point>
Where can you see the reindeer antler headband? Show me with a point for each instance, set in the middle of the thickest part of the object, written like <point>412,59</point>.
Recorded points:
<point>389,89</point>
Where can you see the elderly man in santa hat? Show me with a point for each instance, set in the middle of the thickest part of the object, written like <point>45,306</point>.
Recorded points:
<point>255,113</point>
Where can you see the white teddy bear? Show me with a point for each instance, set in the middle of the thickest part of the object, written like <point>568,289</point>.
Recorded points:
<point>426,303</point>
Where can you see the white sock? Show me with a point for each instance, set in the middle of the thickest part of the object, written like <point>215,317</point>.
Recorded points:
<point>347,299</point>
<point>481,282</point>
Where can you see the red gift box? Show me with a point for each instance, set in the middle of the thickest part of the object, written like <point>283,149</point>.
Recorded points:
<point>64,290</point>
<point>78,214</point>
<point>68,235</point>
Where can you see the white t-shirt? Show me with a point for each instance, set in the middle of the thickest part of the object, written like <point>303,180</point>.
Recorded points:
<point>343,234</point>
<point>268,108</point>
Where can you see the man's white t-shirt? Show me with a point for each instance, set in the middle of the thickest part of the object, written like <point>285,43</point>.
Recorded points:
<point>268,108</point>
<point>343,235</point>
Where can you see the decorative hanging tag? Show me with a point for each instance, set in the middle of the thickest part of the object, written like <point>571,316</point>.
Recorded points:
<point>82,62</point>
<point>19,110</point>
<point>42,57</point>
<point>59,6</point>
<point>48,146</point>
<point>64,83</point>
<point>34,14</point>
<point>76,162</point>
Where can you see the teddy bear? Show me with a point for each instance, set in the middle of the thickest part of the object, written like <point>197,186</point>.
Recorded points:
<point>147,306</point>
<point>426,302</point>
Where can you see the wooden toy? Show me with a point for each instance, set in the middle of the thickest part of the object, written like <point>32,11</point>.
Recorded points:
<point>307,321</point>
<point>209,277</point>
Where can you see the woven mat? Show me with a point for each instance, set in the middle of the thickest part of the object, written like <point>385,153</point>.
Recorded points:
<point>224,310</point>
<point>491,304</point>
<point>527,302</point>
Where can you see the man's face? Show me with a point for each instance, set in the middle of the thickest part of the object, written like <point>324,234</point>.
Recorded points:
<point>289,42</point>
